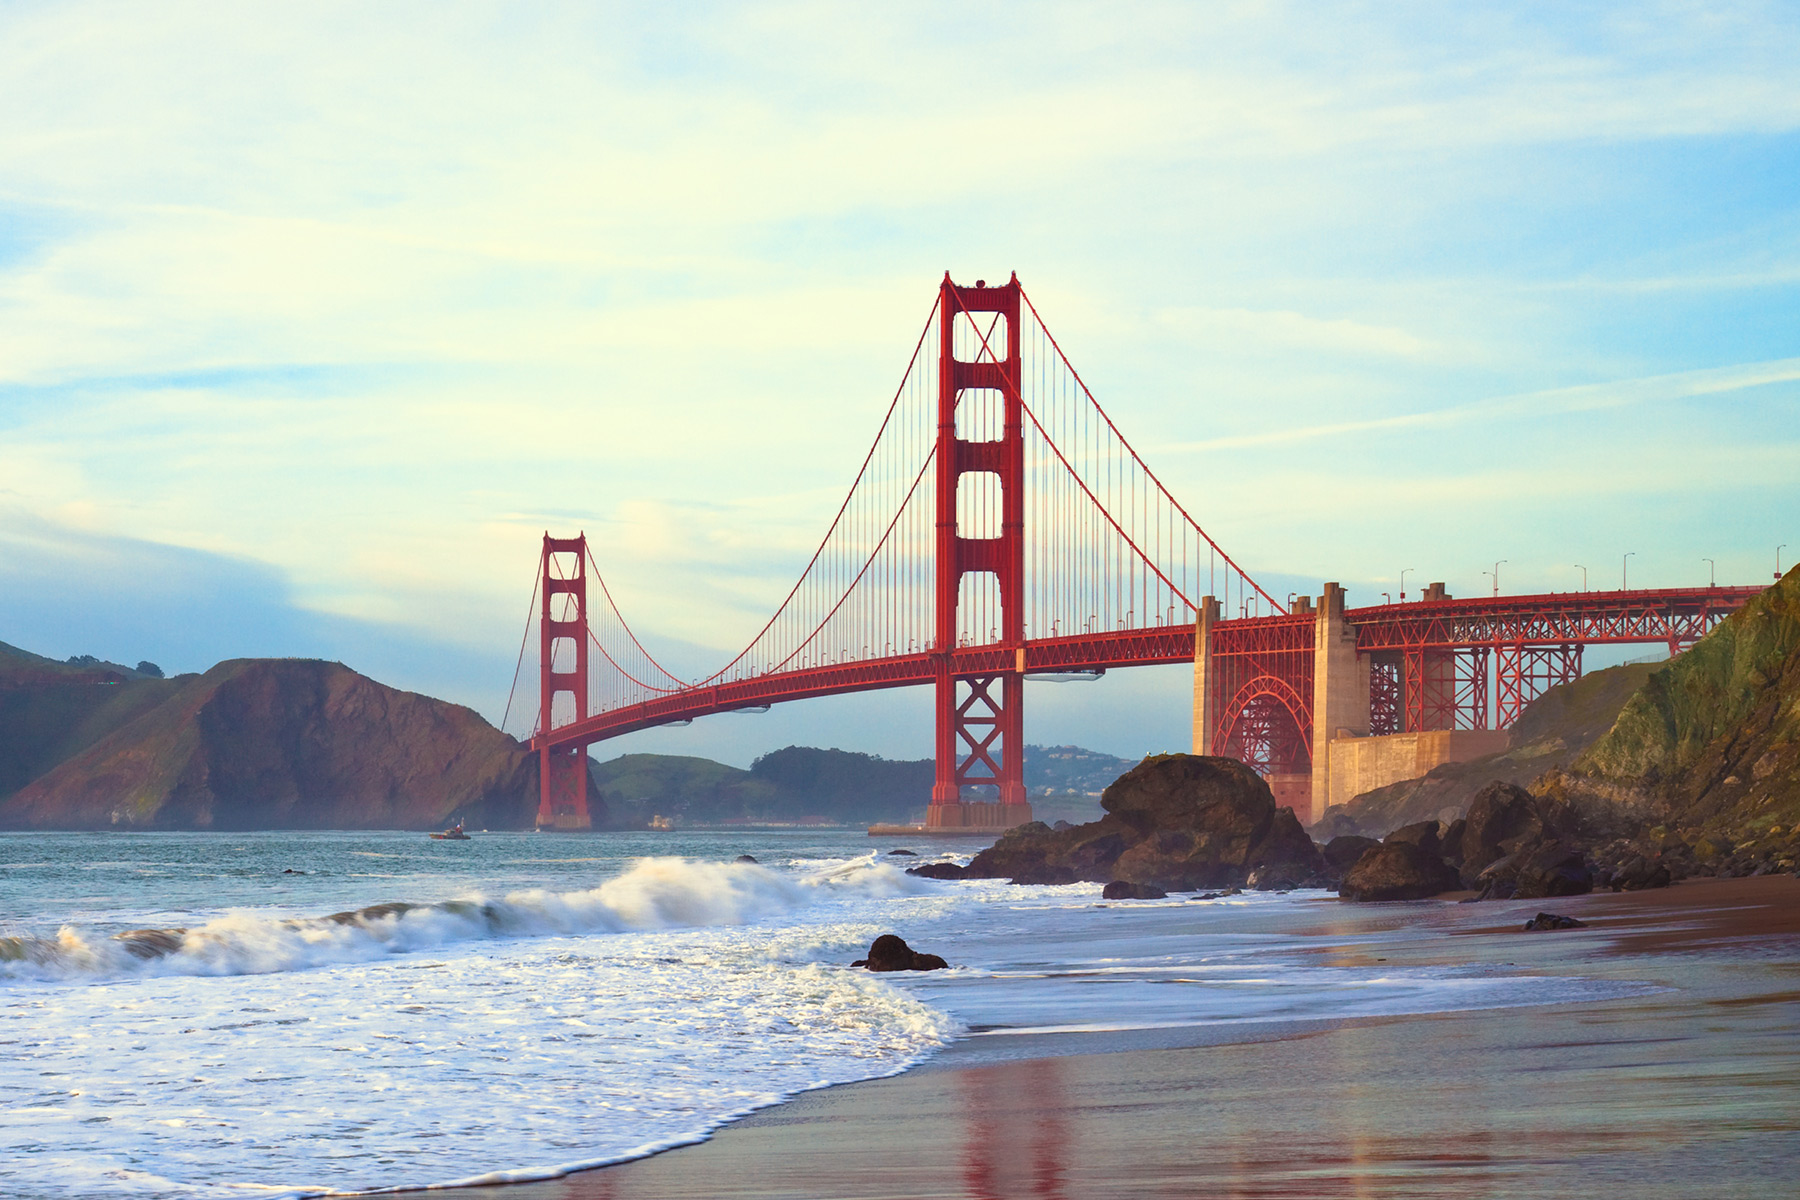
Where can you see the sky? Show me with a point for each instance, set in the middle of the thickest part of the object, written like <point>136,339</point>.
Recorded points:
<point>314,318</point>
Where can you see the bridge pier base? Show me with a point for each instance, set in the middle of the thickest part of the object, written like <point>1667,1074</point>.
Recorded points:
<point>563,788</point>
<point>976,816</point>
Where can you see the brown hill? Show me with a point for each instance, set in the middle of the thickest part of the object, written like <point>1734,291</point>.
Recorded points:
<point>260,744</point>
<point>51,711</point>
<point>1552,732</point>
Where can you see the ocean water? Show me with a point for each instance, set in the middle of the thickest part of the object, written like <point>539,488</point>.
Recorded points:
<point>209,1015</point>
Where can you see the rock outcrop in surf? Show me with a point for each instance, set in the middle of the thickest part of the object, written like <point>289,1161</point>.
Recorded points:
<point>1178,822</point>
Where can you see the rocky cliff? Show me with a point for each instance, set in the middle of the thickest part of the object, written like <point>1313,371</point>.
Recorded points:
<point>1704,759</point>
<point>261,744</point>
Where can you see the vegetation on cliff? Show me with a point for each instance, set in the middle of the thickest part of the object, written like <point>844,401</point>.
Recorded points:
<point>1704,759</point>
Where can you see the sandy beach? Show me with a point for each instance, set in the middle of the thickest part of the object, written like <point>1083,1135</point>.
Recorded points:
<point>1690,1090</point>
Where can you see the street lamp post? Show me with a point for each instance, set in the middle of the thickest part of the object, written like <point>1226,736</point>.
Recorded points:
<point>1624,568</point>
<point>1496,574</point>
<point>1403,576</point>
<point>1712,573</point>
<point>1583,571</point>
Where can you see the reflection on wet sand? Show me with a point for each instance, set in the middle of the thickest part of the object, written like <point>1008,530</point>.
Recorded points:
<point>1017,1140</point>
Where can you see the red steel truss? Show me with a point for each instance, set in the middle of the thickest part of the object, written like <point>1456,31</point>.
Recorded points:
<point>1444,646</point>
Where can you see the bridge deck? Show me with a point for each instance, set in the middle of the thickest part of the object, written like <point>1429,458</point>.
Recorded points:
<point>1672,615</point>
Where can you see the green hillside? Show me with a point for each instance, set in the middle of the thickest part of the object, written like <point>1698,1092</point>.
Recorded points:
<point>1710,745</point>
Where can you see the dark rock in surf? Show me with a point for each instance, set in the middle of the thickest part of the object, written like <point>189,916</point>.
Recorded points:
<point>1270,879</point>
<point>1640,873</point>
<point>1398,871</point>
<point>744,858</point>
<point>902,854</point>
<point>889,952</point>
<point>1546,920</point>
<point>937,870</point>
<point>1119,889</point>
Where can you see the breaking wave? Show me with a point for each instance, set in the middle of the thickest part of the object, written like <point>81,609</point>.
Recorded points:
<point>655,893</point>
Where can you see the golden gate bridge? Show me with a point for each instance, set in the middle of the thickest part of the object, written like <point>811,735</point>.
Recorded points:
<point>1001,527</point>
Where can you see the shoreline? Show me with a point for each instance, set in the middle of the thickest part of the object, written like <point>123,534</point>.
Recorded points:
<point>1690,1090</point>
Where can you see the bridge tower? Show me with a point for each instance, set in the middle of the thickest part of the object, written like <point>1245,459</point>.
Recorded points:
<point>563,642</point>
<point>980,717</point>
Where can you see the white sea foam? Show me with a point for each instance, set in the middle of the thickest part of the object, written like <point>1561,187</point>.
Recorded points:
<point>271,1051</point>
<point>656,893</point>
<point>595,1045</point>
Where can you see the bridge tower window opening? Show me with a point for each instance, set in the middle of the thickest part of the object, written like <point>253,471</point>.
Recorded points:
<point>981,415</point>
<point>978,505</point>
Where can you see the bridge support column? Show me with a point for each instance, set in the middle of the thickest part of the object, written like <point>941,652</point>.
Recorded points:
<point>562,672</point>
<point>1340,692</point>
<point>980,716</point>
<point>1206,677</point>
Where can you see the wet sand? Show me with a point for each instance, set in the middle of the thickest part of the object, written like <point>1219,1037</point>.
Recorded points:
<point>1692,1091</point>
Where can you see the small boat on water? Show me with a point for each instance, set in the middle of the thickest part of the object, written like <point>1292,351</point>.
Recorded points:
<point>453,834</point>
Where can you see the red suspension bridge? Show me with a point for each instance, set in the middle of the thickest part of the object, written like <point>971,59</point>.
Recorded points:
<point>1000,527</point>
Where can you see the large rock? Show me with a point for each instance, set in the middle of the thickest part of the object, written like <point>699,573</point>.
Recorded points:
<point>1179,822</point>
<point>1398,871</point>
<point>1518,846</point>
<point>1423,834</point>
<point>1552,868</point>
<point>1342,852</point>
<point>1502,818</point>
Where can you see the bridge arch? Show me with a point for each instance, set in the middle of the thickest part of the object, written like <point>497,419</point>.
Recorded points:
<point>1268,726</point>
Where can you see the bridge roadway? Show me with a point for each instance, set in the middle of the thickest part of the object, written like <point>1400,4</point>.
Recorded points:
<point>1672,616</point>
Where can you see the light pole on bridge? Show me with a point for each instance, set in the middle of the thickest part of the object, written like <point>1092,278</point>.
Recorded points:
<point>1403,576</point>
<point>1624,567</point>
<point>1712,573</point>
<point>1583,571</point>
<point>1496,574</point>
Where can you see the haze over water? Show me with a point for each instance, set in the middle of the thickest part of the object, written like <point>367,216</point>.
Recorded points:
<point>553,1002</point>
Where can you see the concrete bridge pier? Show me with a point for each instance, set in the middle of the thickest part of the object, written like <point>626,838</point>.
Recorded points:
<point>1342,756</point>
<point>1340,694</point>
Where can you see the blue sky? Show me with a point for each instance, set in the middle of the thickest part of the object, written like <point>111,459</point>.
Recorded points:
<point>311,320</point>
